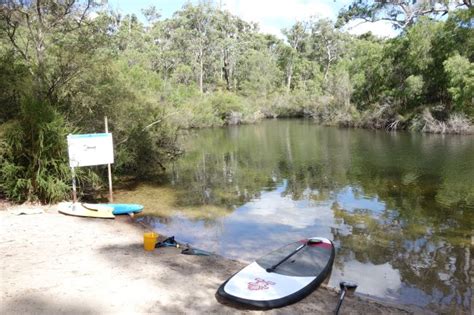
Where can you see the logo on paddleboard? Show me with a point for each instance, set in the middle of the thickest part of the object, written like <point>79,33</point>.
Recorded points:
<point>260,284</point>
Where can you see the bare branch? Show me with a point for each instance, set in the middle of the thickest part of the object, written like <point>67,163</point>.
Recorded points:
<point>83,15</point>
<point>401,13</point>
<point>149,126</point>
<point>38,10</point>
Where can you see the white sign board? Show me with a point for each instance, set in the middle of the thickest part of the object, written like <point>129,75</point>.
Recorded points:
<point>90,149</point>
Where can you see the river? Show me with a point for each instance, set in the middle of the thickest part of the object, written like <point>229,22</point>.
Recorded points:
<point>399,207</point>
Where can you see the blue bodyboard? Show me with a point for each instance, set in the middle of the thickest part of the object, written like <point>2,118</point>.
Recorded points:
<point>125,208</point>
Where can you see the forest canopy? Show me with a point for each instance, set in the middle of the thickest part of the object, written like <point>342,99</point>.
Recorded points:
<point>64,65</point>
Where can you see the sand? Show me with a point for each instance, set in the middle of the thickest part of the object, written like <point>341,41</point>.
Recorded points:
<point>57,264</point>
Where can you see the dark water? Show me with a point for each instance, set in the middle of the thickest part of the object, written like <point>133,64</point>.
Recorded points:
<point>398,206</point>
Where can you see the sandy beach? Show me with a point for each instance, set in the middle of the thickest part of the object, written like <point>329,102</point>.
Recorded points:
<point>57,264</point>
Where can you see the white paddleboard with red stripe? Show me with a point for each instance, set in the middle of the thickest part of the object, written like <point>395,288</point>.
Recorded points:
<point>281,277</point>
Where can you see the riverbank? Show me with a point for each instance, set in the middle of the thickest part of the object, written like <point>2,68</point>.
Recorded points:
<point>54,264</point>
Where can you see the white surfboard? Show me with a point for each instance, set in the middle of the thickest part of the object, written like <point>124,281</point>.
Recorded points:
<point>78,210</point>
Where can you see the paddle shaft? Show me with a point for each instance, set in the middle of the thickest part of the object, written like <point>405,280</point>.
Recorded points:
<point>272,268</point>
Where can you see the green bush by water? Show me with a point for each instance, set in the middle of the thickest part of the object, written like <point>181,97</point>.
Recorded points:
<point>33,160</point>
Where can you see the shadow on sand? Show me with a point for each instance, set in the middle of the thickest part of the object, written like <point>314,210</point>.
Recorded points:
<point>31,304</point>
<point>183,283</point>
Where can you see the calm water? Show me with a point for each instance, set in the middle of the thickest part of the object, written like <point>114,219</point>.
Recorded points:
<point>398,206</point>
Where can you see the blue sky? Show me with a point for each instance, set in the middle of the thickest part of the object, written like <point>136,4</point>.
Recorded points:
<point>271,15</point>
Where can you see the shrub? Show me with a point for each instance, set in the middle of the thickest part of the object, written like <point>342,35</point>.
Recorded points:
<point>461,83</point>
<point>456,123</point>
<point>33,159</point>
<point>382,116</point>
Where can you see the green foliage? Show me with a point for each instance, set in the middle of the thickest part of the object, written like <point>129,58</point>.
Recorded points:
<point>201,113</point>
<point>419,40</point>
<point>258,74</point>
<point>33,160</point>
<point>53,40</point>
<point>224,104</point>
<point>461,82</point>
<point>205,67</point>
<point>215,110</point>
<point>13,77</point>
<point>368,68</point>
<point>144,151</point>
<point>414,87</point>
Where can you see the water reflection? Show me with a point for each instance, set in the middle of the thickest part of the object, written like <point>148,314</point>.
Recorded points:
<point>399,207</point>
<point>378,280</point>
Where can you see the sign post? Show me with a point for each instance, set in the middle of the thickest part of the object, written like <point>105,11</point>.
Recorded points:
<point>74,193</point>
<point>109,168</point>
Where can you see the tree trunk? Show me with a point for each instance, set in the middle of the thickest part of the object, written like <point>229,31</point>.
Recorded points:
<point>289,75</point>
<point>226,70</point>
<point>201,71</point>
<point>328,52</point>
<point>288,82</point>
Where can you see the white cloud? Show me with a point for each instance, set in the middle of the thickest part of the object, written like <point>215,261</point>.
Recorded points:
<point>273,15</point>
<point>278,9</point>
<point>274,30</point>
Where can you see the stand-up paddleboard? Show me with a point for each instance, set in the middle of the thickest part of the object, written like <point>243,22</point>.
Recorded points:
<point>118,208</point>
<point>281,277</point>
<point>78,210</point>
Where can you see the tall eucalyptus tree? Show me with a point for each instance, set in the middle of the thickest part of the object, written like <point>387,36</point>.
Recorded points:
<point>327,44</point>
<point>234,38</point>
<point>193,34</point>
<point>296,36</point>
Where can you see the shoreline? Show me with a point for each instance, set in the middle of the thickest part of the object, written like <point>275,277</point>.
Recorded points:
<point>447,131</point>
<point>53,263</point>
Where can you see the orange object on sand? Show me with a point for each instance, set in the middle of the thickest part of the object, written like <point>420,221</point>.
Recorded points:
<point>149,241</point>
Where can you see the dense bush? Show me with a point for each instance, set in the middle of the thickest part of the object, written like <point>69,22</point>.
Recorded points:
<point>33,160</point>
<point>460,73</point>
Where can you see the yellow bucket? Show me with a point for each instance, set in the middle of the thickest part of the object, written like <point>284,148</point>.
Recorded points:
<point>149,240</point>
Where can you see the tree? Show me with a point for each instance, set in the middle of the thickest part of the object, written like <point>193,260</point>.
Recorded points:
<point>54,39</point>
<point>151,13</point>
<point>369,68</point>
<point>326,43</point>
<point>234,36</point>
<point>193,34</point>
<point>14,78</point>
<point>258,73</point>
<point>461,82</point>
<point>53,42</point>
<point>401,13</point>
<point>296,37</point>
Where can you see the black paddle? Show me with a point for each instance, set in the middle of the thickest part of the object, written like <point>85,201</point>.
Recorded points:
<point>348,287</point>
<point>310,241</point>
